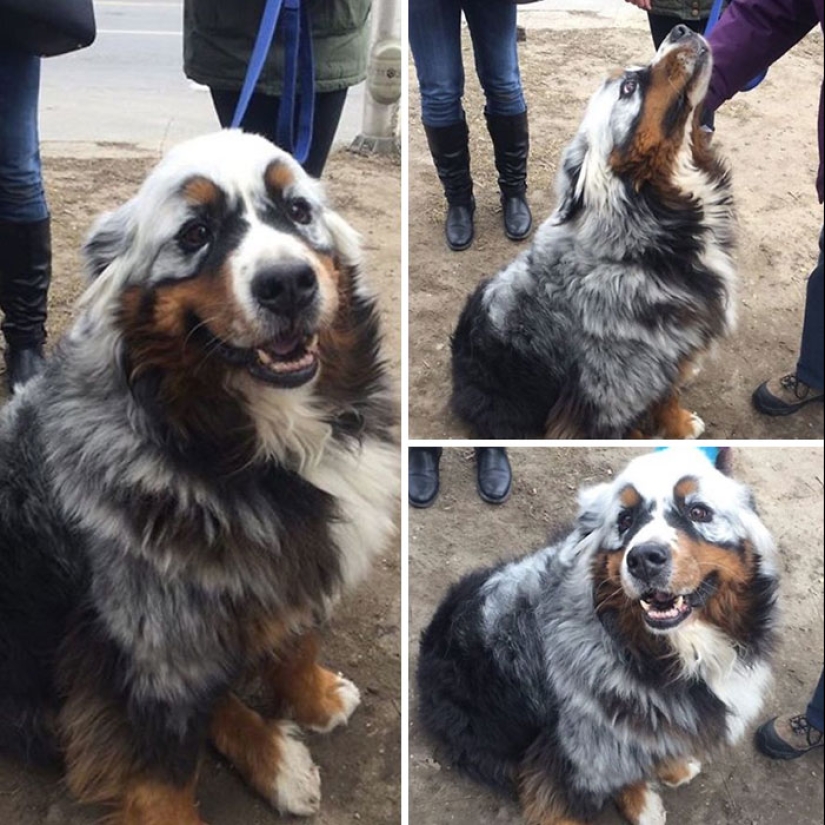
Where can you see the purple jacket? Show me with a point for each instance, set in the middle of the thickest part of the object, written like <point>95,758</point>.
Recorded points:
<point>751,35</point>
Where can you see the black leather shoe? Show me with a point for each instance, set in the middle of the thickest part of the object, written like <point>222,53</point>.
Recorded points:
<point>423,475</point>
<point>450,148</point>
<point>493,474</point>
<point>459,227</point>
<point>22,364</point>
<point>518,219</point>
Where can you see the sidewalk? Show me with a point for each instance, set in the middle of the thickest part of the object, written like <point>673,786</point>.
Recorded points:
<point>581,14</point>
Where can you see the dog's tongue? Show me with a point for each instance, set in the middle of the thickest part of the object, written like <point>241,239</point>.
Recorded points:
<point>284,345</point>
<point>662,598</point>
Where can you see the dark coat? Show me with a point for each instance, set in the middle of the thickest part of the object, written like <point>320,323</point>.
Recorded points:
<point>219,35</point>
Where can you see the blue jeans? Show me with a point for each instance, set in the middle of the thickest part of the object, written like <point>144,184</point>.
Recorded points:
<point>814,713</point>
<point>809,368</point>
<point>435,40</point>
<point>22,199</point>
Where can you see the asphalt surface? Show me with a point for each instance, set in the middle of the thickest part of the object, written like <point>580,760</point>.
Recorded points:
<point>128,87</point>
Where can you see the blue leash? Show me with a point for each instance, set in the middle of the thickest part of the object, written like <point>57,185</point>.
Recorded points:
<point>713,19</point>
<point>298,66</point>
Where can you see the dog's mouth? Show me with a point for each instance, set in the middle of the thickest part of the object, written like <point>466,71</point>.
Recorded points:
<point>663,610</point>
<point>290,359</point>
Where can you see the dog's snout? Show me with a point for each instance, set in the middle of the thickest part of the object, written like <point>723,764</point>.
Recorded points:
<point>646,561</point>
<point>679,32</point>
<point>285,288</point>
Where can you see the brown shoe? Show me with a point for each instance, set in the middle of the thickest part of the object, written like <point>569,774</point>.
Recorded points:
<point>785,395</point>
<point>788,737</point>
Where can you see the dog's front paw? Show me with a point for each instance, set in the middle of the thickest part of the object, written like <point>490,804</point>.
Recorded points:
<point>343,698</point>
<point>697,426</point>
<point>297,785</point>
<point>680,775</point>
<point>653,810</point>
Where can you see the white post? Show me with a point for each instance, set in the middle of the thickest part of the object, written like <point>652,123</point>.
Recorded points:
<point>383,82</point>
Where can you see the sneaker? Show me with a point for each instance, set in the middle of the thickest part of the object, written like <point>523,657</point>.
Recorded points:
<point>784,396</point>
<point>788,737</point>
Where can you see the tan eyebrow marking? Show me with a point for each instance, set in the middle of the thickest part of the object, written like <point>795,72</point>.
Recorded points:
<point>684,487</point>
<point>629,497</point>
<point>278,177</point>
<point>200,191</point>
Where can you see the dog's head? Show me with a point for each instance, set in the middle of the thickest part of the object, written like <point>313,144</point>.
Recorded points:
<point>678,543</point>
<point>228,252</point>
<point>639,126</point>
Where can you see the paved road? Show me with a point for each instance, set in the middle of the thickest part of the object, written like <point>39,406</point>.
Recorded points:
<point>581,14</point>
<point>129,86</point>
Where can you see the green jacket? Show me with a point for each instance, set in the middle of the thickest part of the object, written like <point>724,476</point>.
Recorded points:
<point>218,36</point>
<point>683,9</point>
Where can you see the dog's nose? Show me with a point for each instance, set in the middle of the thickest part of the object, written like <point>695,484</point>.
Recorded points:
<point>678,32</point>
<point>285,288</point>
<point>648,560</point>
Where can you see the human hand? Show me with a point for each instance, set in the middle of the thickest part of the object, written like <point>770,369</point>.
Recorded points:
<point>642,4</point>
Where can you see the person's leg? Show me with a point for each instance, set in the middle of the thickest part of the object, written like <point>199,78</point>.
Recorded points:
<point>816,711</point>
<point>423,475</point>
<point>786,395</point>
<point>435,42</point>
<point>262,118</point>
<point>790,736</point>
<point>25,238</point>
<point>809,367</point>
<point>493,30</point>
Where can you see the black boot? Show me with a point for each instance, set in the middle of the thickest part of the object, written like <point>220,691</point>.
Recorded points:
<point>25,273</point>
<point>449,146</point>
<point>423,475</point>
<point>493,474</point>
<point>511,144</point>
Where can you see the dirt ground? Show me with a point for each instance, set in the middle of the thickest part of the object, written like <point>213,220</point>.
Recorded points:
<point>360,764</point>
<point>769,137</point>
<point>740,787</point>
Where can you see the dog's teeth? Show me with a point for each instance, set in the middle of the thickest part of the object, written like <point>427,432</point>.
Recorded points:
<point>263,356</point>
<point>645,605</point>
<point>679,603</point>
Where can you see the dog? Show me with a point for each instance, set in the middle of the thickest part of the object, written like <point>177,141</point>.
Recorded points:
<point>208,462</point>
<point>637,642</point>
<point>592,331</point>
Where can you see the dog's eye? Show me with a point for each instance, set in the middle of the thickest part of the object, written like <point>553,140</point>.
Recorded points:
<point>625,520</point>
<point>300,211</point>
<point>698,512</point>
<point>194,236</point>
<point>628,87</point>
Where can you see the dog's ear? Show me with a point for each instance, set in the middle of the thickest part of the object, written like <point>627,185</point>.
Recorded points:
<point>724,461</point>
<point>568,183</point>
<point>110,237</point>
<point>593,504</point>
<point>346,240</point>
